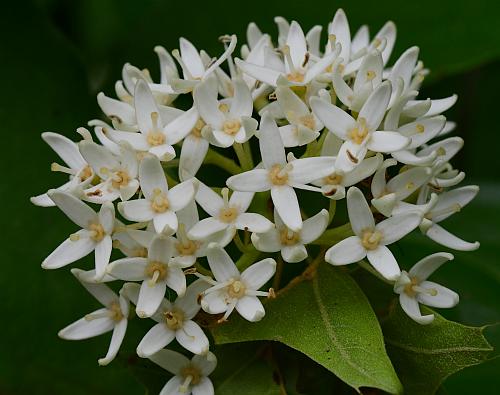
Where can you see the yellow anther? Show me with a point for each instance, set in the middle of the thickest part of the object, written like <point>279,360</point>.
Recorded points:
<point>120,179</point>
<point>228,214</point>
<point>159,203</point>
<point>333,179</point>
<point>289,238</point>
<point>236,289</point>
<point>97,232</point>
<point>231,126</point>
<point>174,319</point>
<point>420,128</point>
<point>371,239</point>
<point>155,269</point>
<point>278,175</point>
<point>359,133</point>
<point>370,75</point>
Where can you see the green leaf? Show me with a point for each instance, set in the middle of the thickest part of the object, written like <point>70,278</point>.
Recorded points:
<point>330,320</point>
<point>244,369</point>
<point>425,355</point>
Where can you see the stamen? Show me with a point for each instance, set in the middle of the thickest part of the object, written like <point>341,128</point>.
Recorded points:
<point>154,279</point>
<point>288,57</point>
<point>74,237</point>
<point>56,167</point>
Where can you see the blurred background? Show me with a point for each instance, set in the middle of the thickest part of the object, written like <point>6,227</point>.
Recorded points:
<point>56,55</point>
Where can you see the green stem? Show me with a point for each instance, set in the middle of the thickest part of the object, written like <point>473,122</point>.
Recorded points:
<point>243,157</point>
<point>332,209</point>
<point>214,158</point>
<point>247,259</point>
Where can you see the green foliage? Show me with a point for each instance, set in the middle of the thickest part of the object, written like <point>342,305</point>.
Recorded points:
<point>329,319</point>
<point>426,355</point>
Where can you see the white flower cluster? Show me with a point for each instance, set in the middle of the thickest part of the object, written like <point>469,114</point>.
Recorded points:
<point>344,117</point>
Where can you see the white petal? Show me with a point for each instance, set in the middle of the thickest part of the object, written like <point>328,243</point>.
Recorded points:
<point>253,222</point>
<point>192,338</point>
<point>206,363</point>
<point>206,227</point>
<point>398,226</point>
<point>297,43</point>
<point>128,269</point>
<point>335,119</point>
<point>162,220</point>
<point>286,203</point>
<point>365,169</point>
<point>314,227</point>
<point>191,58</point>
<point>411,308</point>
<point>98,157</point>
<point>181,195</point>
<point>65,148</point>
<point>387,141</point>
<point>116,342</point>
<point>443,237</point>
<point>293,107</point>
<point>205,96</point>
<point>209,200</point>
<point>102,254</point>
<point>375,106</point>
<point>250,308</point>
<point>136,210</point>
<point>261,73</point>
<point>214,302</point>
<point>359,211</point>
<point>221,264</point>
<point>155,339</point>
<point>340,28</point>
<point>309,169</point>
<point>74,208</point>
<point>384,262</point>
<point>145,106</point>
<point>107,217</point>
<point>150,297</point>
<point>439,106</point>
<point>193,152</point>
<point>458,197</point>
<point>169,360</point>
<point>181,126</point>
<point>271,146</point>
<point>161,249</point>
<point>164,152</point>
<point>241,200</point>
<point>189,302</point>
<point>242,103</point>
<point>152,177</point>
<point>204,387</point>
<point>256,180</point>
<point>176,280</point>
<point>85,329</point>
<point>445,298</point>
<point>428,265</point>
<point>70,251</point>
<point>136,140</point>
<point>346,251</point>
<point>259,273</point>
<point>294,254</point>
<point>267,242</point>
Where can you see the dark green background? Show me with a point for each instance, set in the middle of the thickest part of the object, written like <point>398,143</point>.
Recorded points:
<point>56,55</point>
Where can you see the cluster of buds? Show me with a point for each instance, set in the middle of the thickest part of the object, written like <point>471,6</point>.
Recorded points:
<point>326,119</point>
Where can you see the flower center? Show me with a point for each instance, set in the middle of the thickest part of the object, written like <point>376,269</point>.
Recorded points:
<point>192,374</point>
<point>359,133</point>
<point>223,107</point>
<point>333,179</point>
<point>371,239</point>
<point>420,128</point>
<point>174,319</point>
<point>156,271</point>
<point>289,238</point>
<point>155,138</point>
<point>120,179</point>
<point>97,232</point>
<point>413,288</point>
<point>159,203</point>
<point>196,131</point>
<point>370,75</point>
<point>115,312</point>
<point>228,214</point>
<point>278,175</point>
<point>308,121</point>
<point>141,252</point>
<point>295,76</point>
<point>231,126</point>
<point>187,247</point>
<point>236,289</point>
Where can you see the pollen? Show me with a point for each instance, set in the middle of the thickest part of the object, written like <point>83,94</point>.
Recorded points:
<point>288,237</point>
<point>193,373</point>
<point>308,121</point>
<point>159,203</point>
<point>371,239</point>
<point>410,185</point>
<point>198,127</point>
<point>156,269</point>
<point>120,179</point>
<point>155,138</point>
<point>236,289</point>
<point>97,232</point>
<point>370,75</point>
<point>224,107</point>
<point>231,126</point>
<point>333,179</point>
<point>115,312</point>
<point>359,133</point>
<point>86,173</point>
<point>420,128</point>
<point>228,214</point>
<point>295,76</point>
<point>408,289</point>
<point>174,319</point>
<point>188,247</point>
<point>278,175</point>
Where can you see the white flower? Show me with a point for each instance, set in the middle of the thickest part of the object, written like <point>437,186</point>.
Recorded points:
<point>388,195</point>
<point>448,203</point>
<point>333,185</point>
<point>80,173</point>
<point>361,134</point>
<point>174,321</point>
<point>280,176</point>
<point>160,203</point>
<point>157,135</point>
<point>95,233</point>
<point>413,288</point>
<point>230,121</point>
<point>296,68</point>
<point>290,243</point>
<point>190,376</point>
<point>371,240</point>
<point>156,272</point>
<point>303,126</point>
<point>226,214</point>
<point>113,317</point>
<point>232,290</point>
<point>118,174</point>
<point>196,68</point>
